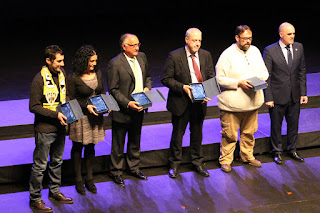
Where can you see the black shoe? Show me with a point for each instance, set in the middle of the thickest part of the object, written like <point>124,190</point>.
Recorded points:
<point>173,173</point>
<point>278,159</point>
<point>80,188</point>
<point>201,171</point>
<point>117,179</point>
<point>296,156</point>
<point>139,175</point>
<point>90,186</point>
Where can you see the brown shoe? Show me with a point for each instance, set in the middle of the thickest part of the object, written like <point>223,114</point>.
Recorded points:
<point>255,163</point>
<point>40,206</point>
<point>226,168</point>
<point>61,198</point>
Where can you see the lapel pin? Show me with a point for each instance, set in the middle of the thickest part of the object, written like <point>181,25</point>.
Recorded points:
<point>296,49</point>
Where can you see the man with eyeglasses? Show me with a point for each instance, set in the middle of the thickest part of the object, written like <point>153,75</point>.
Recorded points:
<point>186,65</point>
<point>127,73</point>
<point>286,65</point>
<point>238,103</point>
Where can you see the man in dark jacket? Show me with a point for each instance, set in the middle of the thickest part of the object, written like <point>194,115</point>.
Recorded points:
<point>48,90</point>
<point>186,65</point>
<point>287,89</point>
<point>127,74</point>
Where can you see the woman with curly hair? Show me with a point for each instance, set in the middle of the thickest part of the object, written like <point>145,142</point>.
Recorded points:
<point>84,82</point>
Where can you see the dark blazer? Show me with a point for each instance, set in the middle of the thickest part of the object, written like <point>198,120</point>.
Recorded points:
<point>121,84</point>
<point>285,82</point>
<point>176,74</point>
<point>79,90</point>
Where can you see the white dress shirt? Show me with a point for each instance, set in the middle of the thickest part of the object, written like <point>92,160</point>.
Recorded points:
<point>285,51</point>
<point>136,90</point>
<point>192,73</point>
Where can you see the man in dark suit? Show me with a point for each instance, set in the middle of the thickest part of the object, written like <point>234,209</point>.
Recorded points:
<point>127,73</point>
<point>186,65</point>
<point>287,89</point>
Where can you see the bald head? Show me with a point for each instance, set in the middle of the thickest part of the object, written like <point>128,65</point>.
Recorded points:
<point>284,26</point>
<point>287,33</point>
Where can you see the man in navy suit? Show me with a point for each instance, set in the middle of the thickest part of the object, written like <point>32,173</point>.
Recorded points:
<point>287,89</point>
<point>186,65</point>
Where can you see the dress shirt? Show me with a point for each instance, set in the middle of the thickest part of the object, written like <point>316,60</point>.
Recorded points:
<point>285,51</point>
<point>192,73</point>
<point>139,68</point>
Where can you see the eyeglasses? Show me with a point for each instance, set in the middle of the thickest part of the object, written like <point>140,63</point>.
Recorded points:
<point>246,38</point>
<point>134,45</point>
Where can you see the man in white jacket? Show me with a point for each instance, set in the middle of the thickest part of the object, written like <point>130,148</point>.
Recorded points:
<point>238,103</point>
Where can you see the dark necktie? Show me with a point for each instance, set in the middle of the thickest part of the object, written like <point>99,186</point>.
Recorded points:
<point>289,56</point>
<point>196,69</point>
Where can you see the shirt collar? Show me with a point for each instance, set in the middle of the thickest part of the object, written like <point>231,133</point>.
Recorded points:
<point>128,58</point>
<point>188,53</point>
<point>282,45</point>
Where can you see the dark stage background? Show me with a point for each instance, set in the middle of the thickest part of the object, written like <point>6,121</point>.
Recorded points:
<point>27,27</point>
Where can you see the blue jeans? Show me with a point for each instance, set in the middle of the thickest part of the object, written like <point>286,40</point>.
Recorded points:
<point>46,143</point>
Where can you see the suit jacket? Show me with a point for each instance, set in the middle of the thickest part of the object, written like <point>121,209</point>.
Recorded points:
<point>121,84</point>
<point>176,74</point>
<point>285,83</point>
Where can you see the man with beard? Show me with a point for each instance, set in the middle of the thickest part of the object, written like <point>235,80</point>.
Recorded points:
<point>186,65</point>
<point>238,103</point>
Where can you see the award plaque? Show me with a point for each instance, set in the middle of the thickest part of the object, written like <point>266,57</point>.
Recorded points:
<point>197,93</point>
<point>104,103</point>
<point>206,89</point>
<point>145,99</point>
<point>142,99</point>
<point>71,110</point>
<point>257,84</point>
<point>100,105</point>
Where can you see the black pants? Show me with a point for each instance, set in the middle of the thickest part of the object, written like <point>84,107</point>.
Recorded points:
<point>89,154</point>
<point>119,131</point>
<point>193,114</point>
<point>291,112</point>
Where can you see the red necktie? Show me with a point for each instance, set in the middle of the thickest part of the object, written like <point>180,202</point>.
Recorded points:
<point>196,69</point>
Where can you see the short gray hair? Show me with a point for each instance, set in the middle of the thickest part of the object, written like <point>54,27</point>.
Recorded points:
<point>190,30</point>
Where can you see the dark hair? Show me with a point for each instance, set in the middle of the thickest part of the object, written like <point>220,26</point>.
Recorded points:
<point>241,28</point>
<point>51,51</point>
<point>80,62</point>
<point>123,37</point>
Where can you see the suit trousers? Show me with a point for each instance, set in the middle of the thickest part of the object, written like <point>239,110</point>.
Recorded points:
<point>230,124</point>
<point>291,112</point>
<point>193,114</point>
<point>119,131</point>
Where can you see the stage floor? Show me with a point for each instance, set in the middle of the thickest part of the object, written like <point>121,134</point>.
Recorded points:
<point>291,187</point>
<point>154,137</point>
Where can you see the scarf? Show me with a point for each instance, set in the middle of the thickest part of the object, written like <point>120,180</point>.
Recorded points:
<point>50,89</point>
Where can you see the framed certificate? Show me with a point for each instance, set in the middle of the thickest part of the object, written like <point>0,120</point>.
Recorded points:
<point>99,103</point>
<point>197,93</point>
